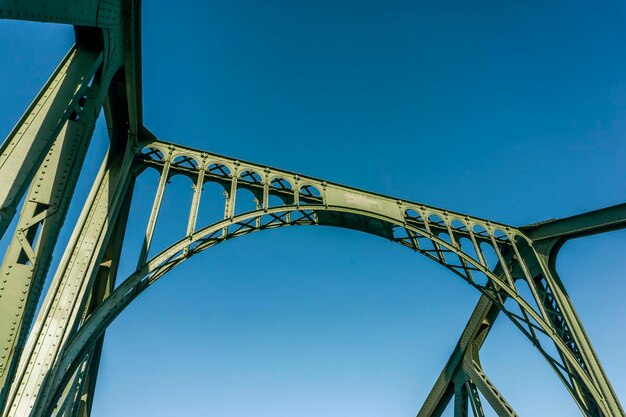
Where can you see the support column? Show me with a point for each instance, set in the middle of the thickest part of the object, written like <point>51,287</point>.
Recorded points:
<point>29,254</point>
<point>104,283</point>
<point>68,295</point>
<point>26,146</point>
<point>460,399</point>
<point>472,368</point>
<point>475,332</point>
<point>582,344</point>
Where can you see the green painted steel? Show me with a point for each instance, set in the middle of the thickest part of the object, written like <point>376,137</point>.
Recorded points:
<point>52,369</point>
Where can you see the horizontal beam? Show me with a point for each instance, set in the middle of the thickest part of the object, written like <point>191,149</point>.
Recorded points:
<point>95,13</point>
<point>584,224</point>
<point>132,64</point>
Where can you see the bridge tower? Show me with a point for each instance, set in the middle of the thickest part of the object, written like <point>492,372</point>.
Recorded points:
<point>49,360</point>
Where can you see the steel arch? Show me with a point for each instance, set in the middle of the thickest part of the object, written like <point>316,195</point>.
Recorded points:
<point>103,71</point>
<point>433,232</point>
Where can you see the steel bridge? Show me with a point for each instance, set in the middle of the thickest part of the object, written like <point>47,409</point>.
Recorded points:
<point>49,358</point>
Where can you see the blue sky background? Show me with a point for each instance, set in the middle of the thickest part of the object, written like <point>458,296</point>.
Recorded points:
<point>510,111</point>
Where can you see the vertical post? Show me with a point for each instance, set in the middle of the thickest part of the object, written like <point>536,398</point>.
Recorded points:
<point>460,398</point>
<point>195,202</point>
<point>154,213</point>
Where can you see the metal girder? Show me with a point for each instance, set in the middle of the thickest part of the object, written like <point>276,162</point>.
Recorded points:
<point>131,30</point>
<point>108,36</point>
<point>70,400</point>
<point>474,399</point>
<point>78,395</point>
<point>465,396</point>
<point>29,254</point>
<point>96,13</point>
<point>72,284</point>
<point>474,372</point>
<point>27,145</point>
<point>463,374</point>
<point>58,367</point>
<point>585,224</point>
<point>464,385</point>
<point>52,138</point>
<point>460,392</point>
<point>579,337</point>
<point>462,243</point>
<point>486,312</point>
<point>475,332</point>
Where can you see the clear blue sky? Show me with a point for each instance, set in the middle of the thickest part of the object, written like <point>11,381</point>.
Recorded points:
<point>510,111</point>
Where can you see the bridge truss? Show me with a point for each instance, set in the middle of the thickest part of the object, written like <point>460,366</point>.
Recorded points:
<point>49,358</point>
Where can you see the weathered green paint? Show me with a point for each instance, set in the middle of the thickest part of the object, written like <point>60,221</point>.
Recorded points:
<point>55,372</point>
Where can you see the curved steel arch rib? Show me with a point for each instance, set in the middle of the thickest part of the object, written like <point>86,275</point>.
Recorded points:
<point>498,260</point>
<point>513,268</point>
